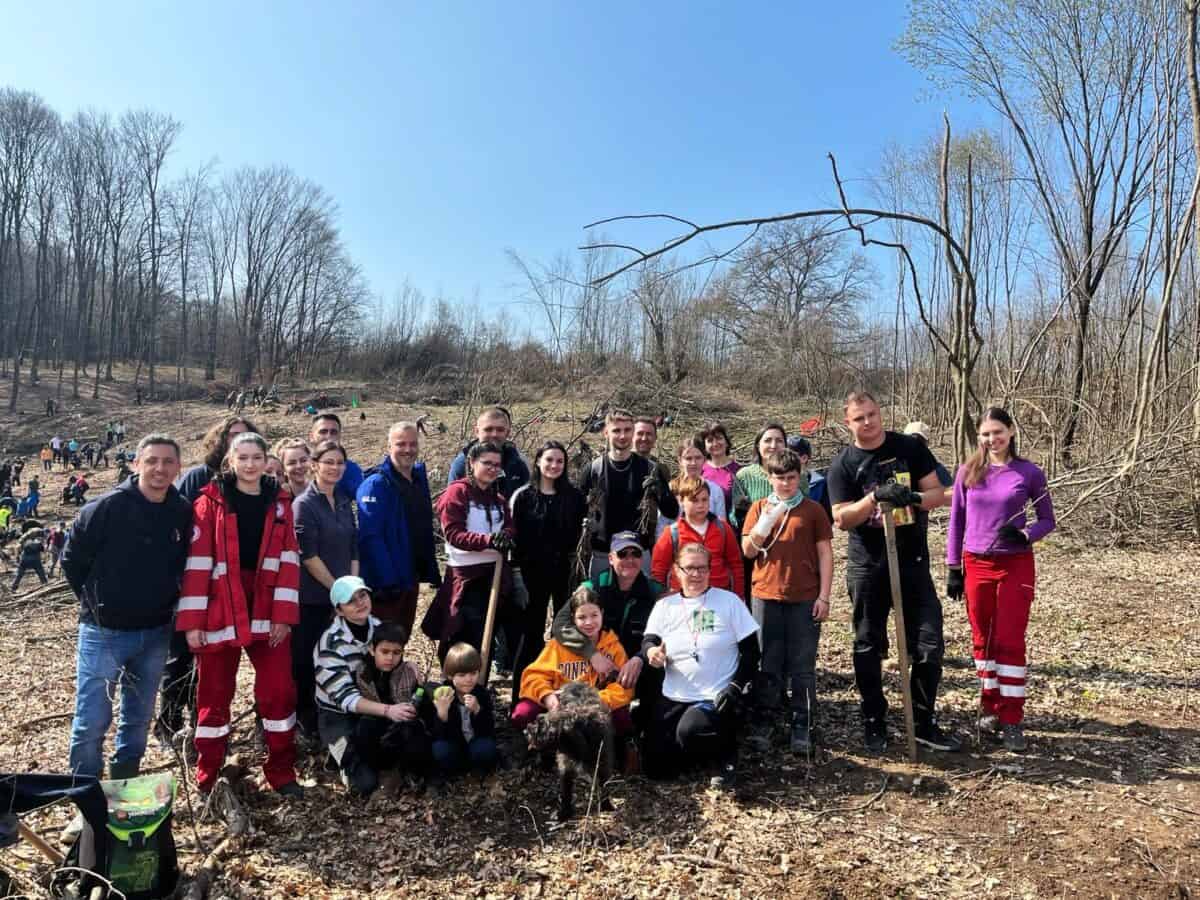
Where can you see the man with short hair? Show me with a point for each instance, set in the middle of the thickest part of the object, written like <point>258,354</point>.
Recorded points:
<point>395,528</point>
<point>495,425</point>
<point>615,485</point>
<point>883,467</point>
<point>328,427</point>
<point>645,436</point>
<point>124,558</point>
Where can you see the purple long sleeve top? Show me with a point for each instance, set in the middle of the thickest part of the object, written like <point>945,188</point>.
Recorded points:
<point>977,514</point>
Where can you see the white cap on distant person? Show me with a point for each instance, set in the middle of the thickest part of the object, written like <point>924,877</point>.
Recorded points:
<point>918,429</point>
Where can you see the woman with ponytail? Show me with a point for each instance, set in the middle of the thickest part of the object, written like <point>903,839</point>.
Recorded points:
<point>990,558</point>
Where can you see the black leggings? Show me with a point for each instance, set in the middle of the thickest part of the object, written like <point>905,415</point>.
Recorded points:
<point>685,733</point>
<point>527,627</point>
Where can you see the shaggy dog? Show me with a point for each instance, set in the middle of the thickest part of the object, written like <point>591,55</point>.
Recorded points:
<point>579,732</point>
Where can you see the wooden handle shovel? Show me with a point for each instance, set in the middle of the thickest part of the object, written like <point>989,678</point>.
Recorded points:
<point>489,623</point>
<point>889,536</point>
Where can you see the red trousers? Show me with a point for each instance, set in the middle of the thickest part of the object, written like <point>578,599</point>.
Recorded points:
<point>999,594</point>
<point>274,696</point>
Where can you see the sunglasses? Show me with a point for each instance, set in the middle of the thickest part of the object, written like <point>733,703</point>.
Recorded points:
<point>628,552</point>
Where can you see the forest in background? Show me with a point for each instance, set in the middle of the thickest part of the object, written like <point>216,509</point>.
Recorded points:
<point>1047,263</point>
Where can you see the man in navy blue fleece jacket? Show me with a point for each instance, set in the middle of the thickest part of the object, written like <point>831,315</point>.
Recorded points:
<point>124,558</point>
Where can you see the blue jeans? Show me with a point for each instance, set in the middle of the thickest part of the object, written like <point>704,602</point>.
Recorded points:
<point>105,658</point>
<point>449,759</point>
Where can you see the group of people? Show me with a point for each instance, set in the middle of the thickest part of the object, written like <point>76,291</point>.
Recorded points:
<point>690,601</point>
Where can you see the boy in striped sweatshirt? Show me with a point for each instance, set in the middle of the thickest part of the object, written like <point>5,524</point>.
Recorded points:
<point>364,734</point>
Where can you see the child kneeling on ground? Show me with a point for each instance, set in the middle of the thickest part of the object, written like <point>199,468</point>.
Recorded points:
<point>460,717</point>
<point>365,711</point>
<point>557,666</point>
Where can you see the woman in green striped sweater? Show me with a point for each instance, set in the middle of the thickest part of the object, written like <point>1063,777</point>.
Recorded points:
<point>752,482</point>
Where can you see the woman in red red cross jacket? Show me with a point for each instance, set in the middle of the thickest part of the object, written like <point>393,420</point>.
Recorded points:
<point>241,590</point>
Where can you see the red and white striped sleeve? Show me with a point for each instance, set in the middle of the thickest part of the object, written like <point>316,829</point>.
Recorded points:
<point>191,612</point>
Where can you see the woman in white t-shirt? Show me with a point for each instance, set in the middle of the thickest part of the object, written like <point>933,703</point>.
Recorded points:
<point>706,640</point>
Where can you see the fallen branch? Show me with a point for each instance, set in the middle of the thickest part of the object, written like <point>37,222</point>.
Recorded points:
<point>858,807</point>
<point>42,720</point>
<point>200,883</point>
<point>697,860</point>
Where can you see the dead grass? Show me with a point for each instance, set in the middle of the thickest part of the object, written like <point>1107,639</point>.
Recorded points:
<point>1105,803</point>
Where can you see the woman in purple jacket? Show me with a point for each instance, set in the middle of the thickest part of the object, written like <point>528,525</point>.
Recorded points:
<point>989,555</point>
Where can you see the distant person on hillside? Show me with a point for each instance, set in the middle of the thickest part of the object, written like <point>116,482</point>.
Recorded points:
<point>49,407</point>
<point>32,545</point>
<point>328,427</point>
<point>54,543</point>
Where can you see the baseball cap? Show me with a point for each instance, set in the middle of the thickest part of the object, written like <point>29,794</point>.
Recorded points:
<point>799,445</point>
<point>345,588</point>
<point>917,429</point>
<point>623,539</point>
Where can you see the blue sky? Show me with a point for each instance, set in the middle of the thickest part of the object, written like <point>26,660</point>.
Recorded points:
<point>448,132</point>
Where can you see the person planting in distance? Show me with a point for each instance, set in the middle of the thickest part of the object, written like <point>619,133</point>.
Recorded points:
<point>990,558</point>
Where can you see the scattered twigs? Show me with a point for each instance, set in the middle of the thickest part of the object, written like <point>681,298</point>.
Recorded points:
<point>973,789</point>
<point>858,807</point>
<point>42,720</point>
<point>697,860</point>
<point>533,819</point>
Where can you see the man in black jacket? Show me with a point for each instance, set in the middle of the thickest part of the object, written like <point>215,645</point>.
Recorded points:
<point>615,485</point>
<point>124,559</point>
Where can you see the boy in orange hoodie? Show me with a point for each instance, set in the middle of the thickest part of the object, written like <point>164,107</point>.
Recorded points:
<point>557,665</point>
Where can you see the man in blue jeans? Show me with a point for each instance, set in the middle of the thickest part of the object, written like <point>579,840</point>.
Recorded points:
<point>124,558</point>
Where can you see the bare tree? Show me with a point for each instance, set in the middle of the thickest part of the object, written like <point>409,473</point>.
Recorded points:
<point>150,136</point>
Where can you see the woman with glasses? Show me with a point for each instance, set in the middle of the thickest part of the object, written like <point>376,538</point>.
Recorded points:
<point>328,550</point>
<point>706,642</point>
<point>479,531</point>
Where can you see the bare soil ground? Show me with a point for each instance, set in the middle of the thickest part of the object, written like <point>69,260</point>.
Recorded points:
<point>1106,803</point>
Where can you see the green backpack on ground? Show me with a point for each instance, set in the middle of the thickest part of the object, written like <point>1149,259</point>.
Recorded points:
<point>140,861</point>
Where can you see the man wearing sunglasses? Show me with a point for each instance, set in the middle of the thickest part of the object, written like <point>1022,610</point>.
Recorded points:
<point>627,596</point>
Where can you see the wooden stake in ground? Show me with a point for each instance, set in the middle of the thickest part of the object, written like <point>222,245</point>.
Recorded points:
<point>889,536</point>
<point>28,834</point>
<point>490,622</point>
